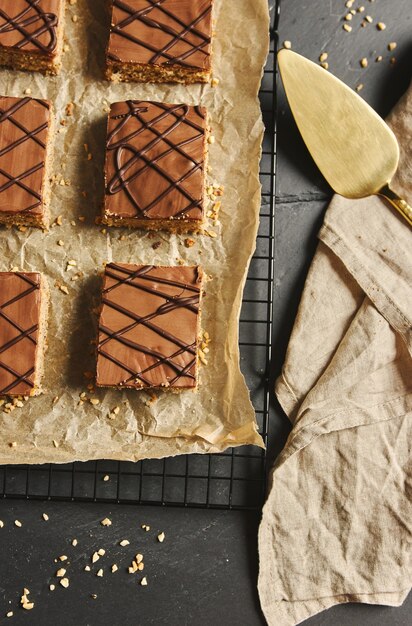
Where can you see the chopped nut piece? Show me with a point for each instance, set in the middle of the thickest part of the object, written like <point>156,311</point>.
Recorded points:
<point>106,522</point>
<point>93,596</point>
<point>361,9</point>
<point>325,66</point>
<point>13,444</point>
<point>106,478</point>
<point>392,46</point>
<point>87,568</point>
<point>55,443</point>
<point>323,57</point>
<point>94,401</point>
<point>64,289</point>
<point>287,44</point>
<point>369,19</point>
<point>63,557</point>
<point>211,139</point>
<point>364,62</point>
<point>116,410</point>
<point>1,524</point>
<point>9,614</point>
<point>114,568</point>
<point>95,557</point>
<point>139,558</point>
<point>380,26</point>
<point>74,542</point>
<point>140,567</point>
<point>60,572</point>
<point>359,87</point>
<point>161,537</point>
<point>124,542</point>
<point>101,552</point>
<point>52,587</point>
<point>64,582</point>
<point>100,573</point>
<point>28,606</point>
<point>347,28</point>
<point>348,17</point>
<point>143,582</point>
<point>18,523</point>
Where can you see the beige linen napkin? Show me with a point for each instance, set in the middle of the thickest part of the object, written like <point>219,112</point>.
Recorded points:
<point>337,525</point>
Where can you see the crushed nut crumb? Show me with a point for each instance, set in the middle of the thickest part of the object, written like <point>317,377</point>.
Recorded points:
<point>114,568</point>
<point>100,573</point>
<point>124,542</point>
<point>64,582</point>
<point>143,582</point>
<point>161,537</point>
<point>106,522</point>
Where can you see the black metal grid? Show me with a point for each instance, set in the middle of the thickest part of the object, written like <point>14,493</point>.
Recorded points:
<point>235,479</point>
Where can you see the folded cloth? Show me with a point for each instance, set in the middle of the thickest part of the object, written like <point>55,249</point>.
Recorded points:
<point>337,525</point>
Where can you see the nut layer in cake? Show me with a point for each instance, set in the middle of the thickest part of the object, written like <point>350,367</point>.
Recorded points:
<point>155,166</point>
<point>31,34</point>
<point>25,159</point>
<point>160,41</point>
<point>149,327</point>
<point>23,323</point>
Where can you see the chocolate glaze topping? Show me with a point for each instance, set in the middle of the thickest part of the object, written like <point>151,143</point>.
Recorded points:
<point>29,24</point>
<point>154,160</point>
<point>23,133</point>
<point>161,32</point>
<point>19,324</point>
<point>148,326</point>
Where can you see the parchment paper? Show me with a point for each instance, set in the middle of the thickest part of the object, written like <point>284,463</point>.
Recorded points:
<point>58,426</point>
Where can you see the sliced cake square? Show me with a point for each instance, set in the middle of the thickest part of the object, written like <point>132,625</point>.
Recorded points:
<point>155,166</point>
<point>149,327</point>
<point>25,159</point>
<point>160,41</point>
<point>23,324</point>
<point>31,34</point>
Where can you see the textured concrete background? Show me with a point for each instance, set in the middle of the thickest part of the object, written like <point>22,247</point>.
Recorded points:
<point>205,572</point>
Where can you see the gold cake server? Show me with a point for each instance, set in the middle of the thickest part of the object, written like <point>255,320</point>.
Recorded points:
<point>355,150</point>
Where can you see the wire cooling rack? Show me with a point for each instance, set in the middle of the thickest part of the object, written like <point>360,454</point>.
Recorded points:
<point>232,480</point>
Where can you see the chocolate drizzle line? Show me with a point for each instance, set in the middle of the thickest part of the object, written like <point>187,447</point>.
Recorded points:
<point>23,334</point>
<point>124,275</point>
<point>32,14</point>
<point>120,182</point>
<point>7,116</point>
<point>144,16</point>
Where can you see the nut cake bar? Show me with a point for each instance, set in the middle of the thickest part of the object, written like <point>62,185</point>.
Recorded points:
<point>155,166</point>
<point>25,127</point>
<point>23,312</point>
<point>149,327</point>
<point>160,41</point>
<point>31,34</point>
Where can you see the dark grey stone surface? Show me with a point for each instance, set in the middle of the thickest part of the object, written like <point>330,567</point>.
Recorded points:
<point>206,570</point>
